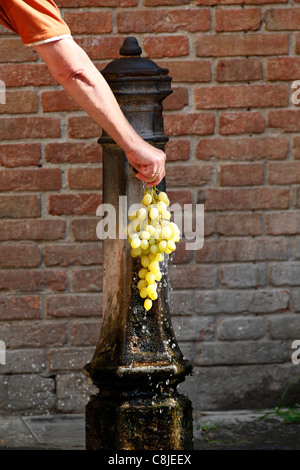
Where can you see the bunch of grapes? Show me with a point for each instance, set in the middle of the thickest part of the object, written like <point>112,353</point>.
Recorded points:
<point>151,234</point>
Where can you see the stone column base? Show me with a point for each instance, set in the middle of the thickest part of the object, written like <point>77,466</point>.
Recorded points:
<point>140,422</point>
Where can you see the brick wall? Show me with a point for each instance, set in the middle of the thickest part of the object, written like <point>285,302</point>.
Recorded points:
<point>234,145</point>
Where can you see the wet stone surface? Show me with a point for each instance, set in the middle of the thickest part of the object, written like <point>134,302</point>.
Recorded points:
<point>236,430</point>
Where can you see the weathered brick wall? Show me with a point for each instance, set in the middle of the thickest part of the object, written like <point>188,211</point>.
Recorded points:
<point>234,145</point>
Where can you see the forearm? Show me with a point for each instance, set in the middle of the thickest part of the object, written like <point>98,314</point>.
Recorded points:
<point>82,81</point>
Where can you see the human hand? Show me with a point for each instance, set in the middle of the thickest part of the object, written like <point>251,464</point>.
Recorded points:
<point>149,162</point>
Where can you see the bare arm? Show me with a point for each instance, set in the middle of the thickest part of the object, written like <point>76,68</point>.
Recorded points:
<point>73,69</point>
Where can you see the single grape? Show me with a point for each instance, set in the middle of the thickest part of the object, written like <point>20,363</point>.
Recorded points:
<point>148,304</point>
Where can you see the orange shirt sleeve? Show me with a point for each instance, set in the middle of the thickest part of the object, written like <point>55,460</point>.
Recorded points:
<point>33,20</point>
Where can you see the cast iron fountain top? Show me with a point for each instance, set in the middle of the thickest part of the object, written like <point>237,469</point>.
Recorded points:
<point>132,65</point>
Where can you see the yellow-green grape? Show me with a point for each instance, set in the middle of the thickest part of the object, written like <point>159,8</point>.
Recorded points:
<point>150,229</point>
<point>150,277</point>
<point>143,292</point>
<point>152,256</point>
<point>142,273</point>
<point>145,235</point>
<point>157,234</point>
<point>153,296</point>
<point>154,249</point>
<point>151,289</point>
<point>163,197</point>
<point>153,267</point>
<point>166,215</point>
<point>171,245</point>
<point>162,245</point>
<point>161,206</point>
<point>144,244</point>
<point>136,242</point>
<point>154,213</point>
<point>158,276</point>
<point>136,252</point>
<point>159,257</point>
<point>142,214</point>
<point>148,304</point>
<point>147,199</point>
<point>145,261</point>
<point>142,283</point>
<point>166,232</point>
<point>132,215</point>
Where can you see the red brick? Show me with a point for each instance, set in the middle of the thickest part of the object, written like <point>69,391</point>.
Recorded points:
<point>32,229</point>
<point>188,175</point>
<point>87,280</point>
<point>163,21</point>
<point>243,249</point>
<point>98,48</point>
<point>283,68</point>
<point>29,128</point>
<point>180,197</point>
<point>32,280</point>
<point>277,19</point>
<point>239,70</point>
<point>15,75</point>
<point>13,50</point>
<point>237,2</point>
<point>181,255</point>
<point>296,197</point>
<point>177,150</point>
<point>243,148</point>
<point>189,124</point>
<point>177,100</point>
<point>241,96</point>
<point>243,122</point>
<point>282,223</point>
<point>89,22</point>
<point>243,223</point>
<point>85,229</point>
<point>189,277</point>
<point>74,306</point>
<point>297,47</point>
<point>18,256</point>
<point>96,3</point>
<point>85,178</point>
<point>238,20</point>
<point>188,70</point>
<point>166,46</point>
<point>30,180</point>
<point>15,155</point>
<point>69,204</point>
<point>73,152</point>
<point>20,102</point>
<point>288,119</point>
<point>284,172</point>
<point>73,254</point>
<point>240,44</point>
<point>83,127</point>
<point>296,147</point>
<point>245,198</point>
<point>20,206</point>
<point>36,334</point>
<point>243,174</point>
<point>58,100</point>
<point>20,308</point>
<point>85,333</point>
<point>154,3</point>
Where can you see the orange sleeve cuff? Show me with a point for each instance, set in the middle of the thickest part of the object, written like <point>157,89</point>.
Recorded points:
<point>33,20</point>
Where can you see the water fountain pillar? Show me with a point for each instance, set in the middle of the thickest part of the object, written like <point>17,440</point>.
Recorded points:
<point>137,363</point>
